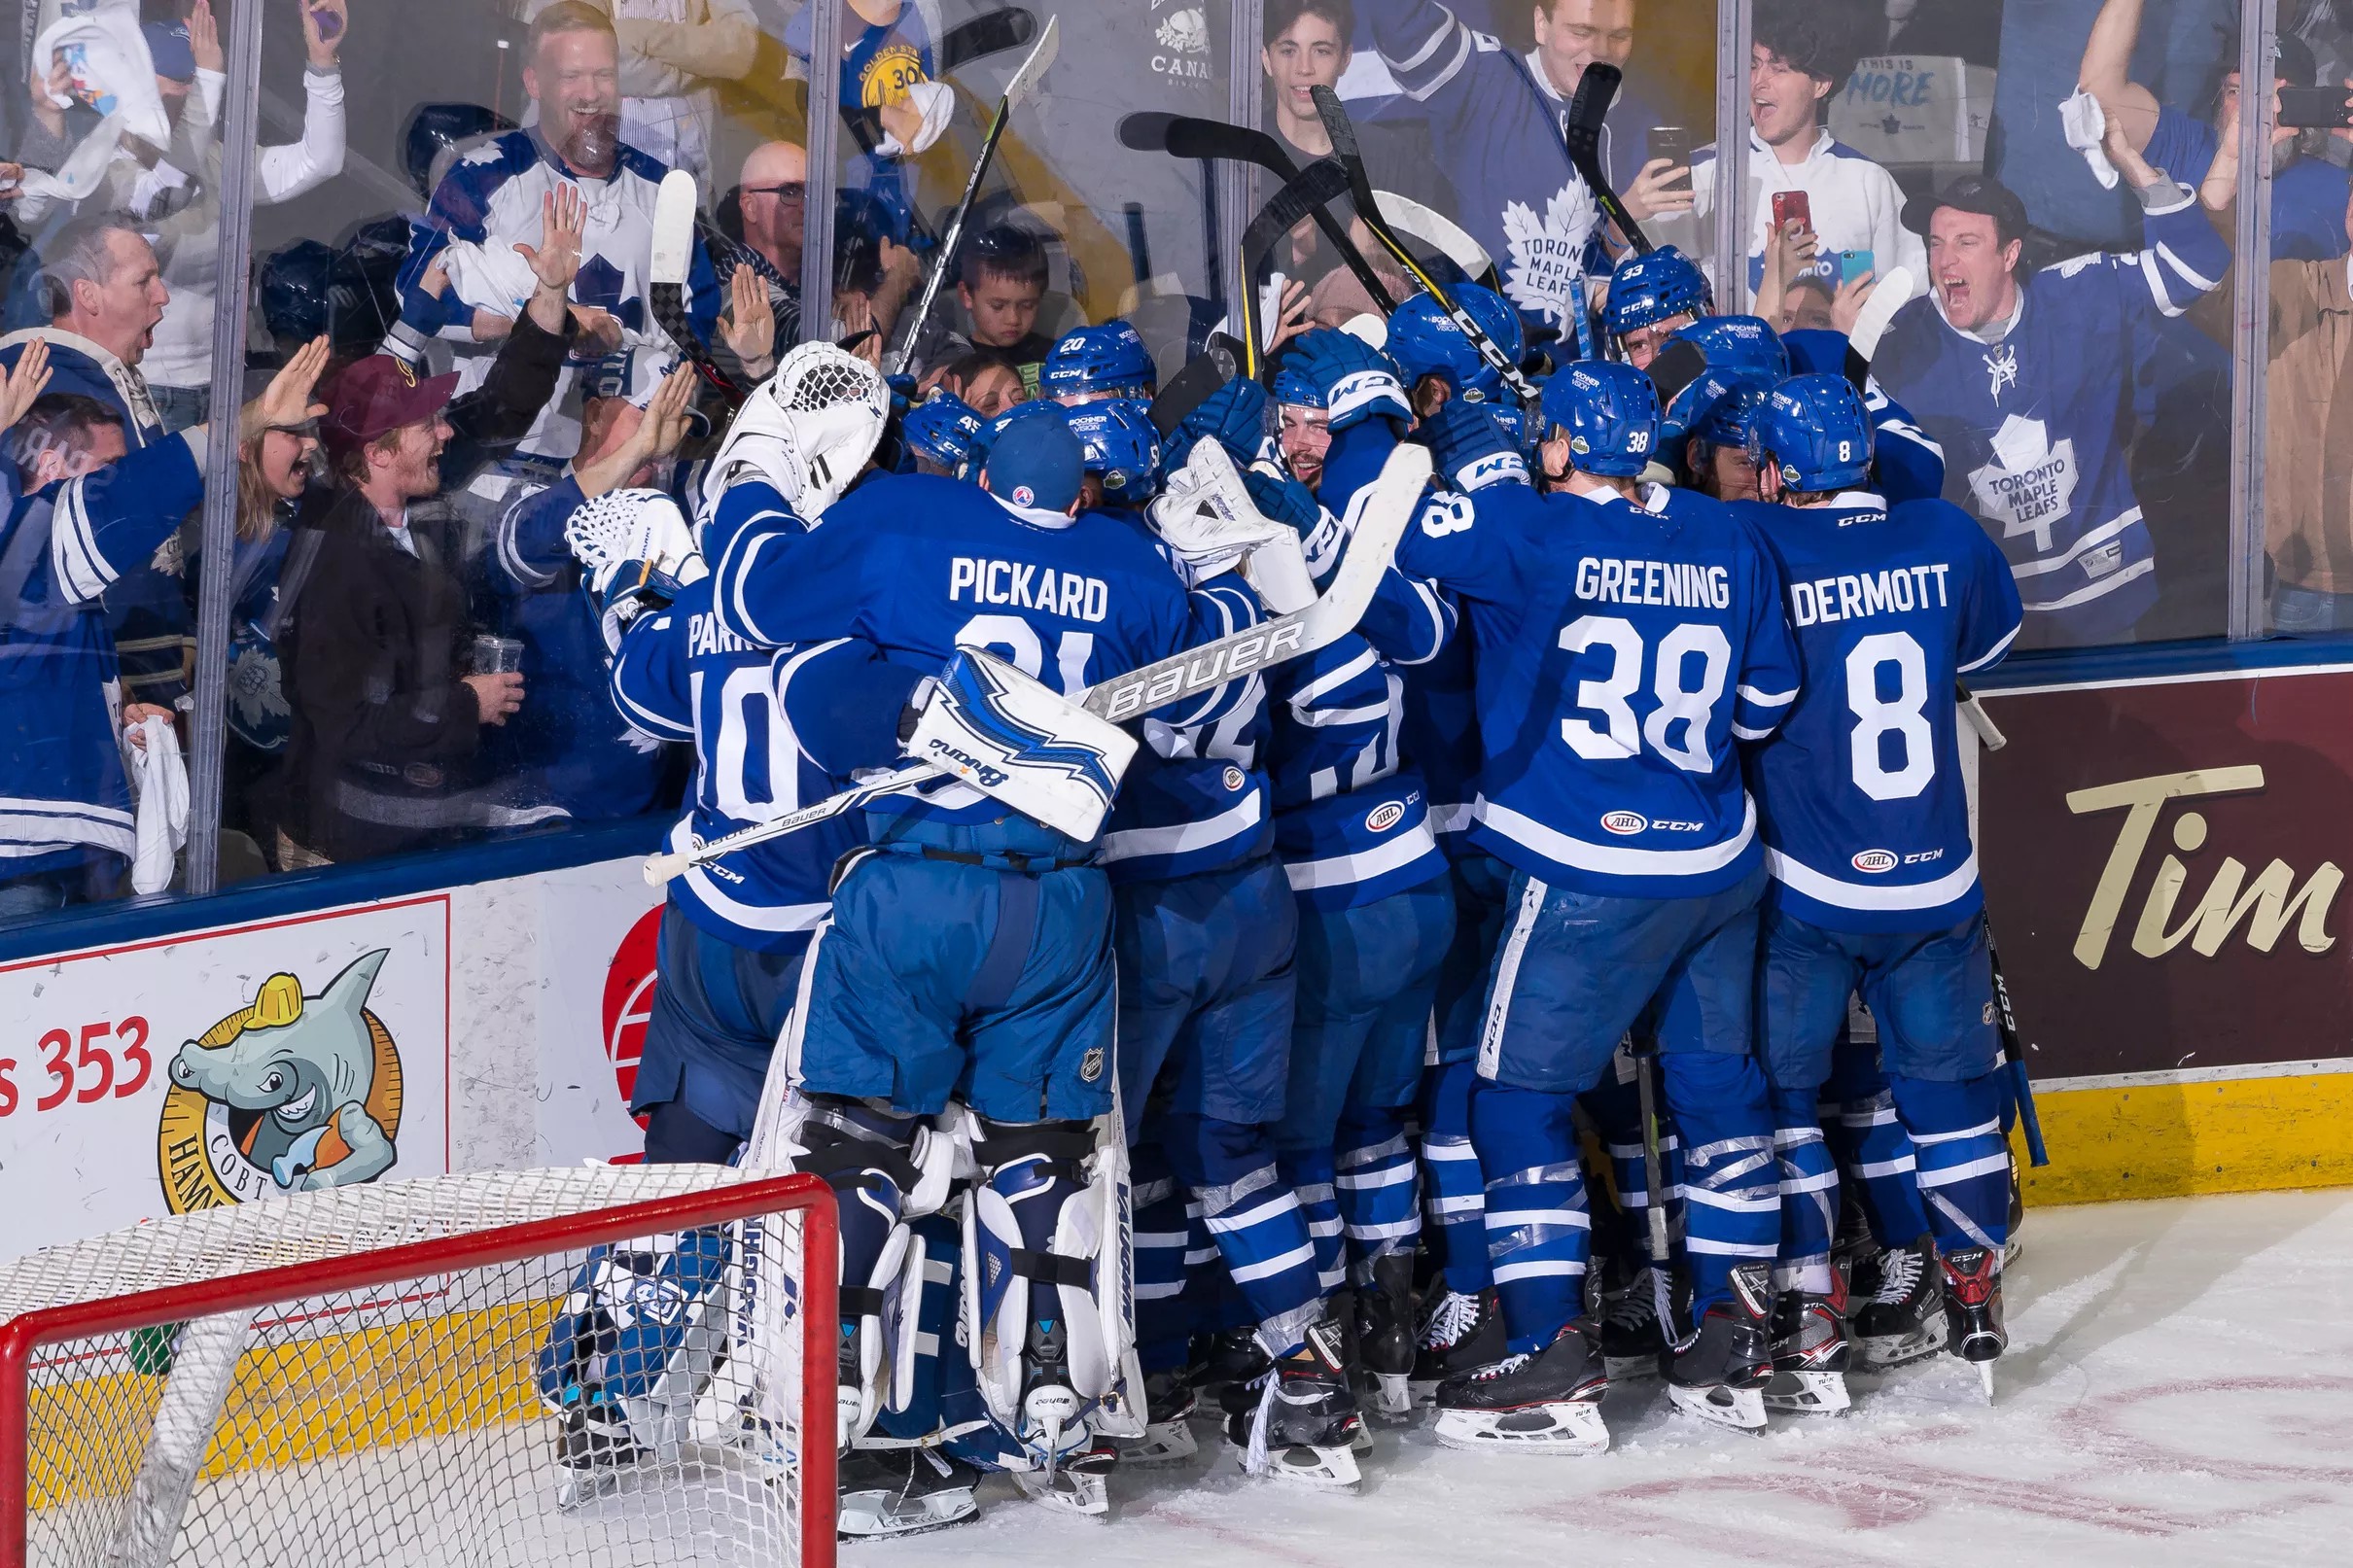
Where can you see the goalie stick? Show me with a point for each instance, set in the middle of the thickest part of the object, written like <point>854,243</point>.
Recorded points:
<point>1023,84</point>
<point>675,213</point>
<point>1153,131</point>
<point>1388,506</point>
<point>2013,1049</point>
<point>1351,157</point>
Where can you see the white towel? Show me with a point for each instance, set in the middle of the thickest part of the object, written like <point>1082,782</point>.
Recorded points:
<point>2085,126</point>
<point>111,65</point>
<point>159,778</point>
<point>491,277</point>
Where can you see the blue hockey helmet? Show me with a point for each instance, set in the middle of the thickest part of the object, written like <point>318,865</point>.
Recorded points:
<point>1714,408</point>
<point>1297,391</point>
<point>1609,414</point>
<point>1424,341</point>
<point>1654,287</point>
<point>1122,447</point>
<point>1739,343</point>
<point>976,456</point>
<point>1815,432</point>
<point>940,429</point>
<point>1087,362</point>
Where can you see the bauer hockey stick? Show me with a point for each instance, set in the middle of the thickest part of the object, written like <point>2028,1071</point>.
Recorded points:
<point>1021,87</point>
<point>2013,1049</point>
<point>1597,88</point>
<point>675,209</point>
<point>1282,214</point>
<point>1351,156</point>
<point>1388,506</point>
<point>1185,136</point>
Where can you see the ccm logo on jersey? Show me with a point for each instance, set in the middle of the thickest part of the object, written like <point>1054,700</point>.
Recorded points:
<point>1027,586</point>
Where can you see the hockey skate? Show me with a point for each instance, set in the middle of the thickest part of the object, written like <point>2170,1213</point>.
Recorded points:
<point>1903,1321</point>
<point>1627,1326</point>
<point>1718,1372</point>
<point>1077,1485</point>
<point>593,1451</point>
<point>902,1491</point>
<point>1385,1335</point>
<point>1809,1353</point>
<point>1304,1426</point>
<point>1071,1477</point>
<point>1459,1335</point>
<point>1169,1438</point>
<point>1227,1365</point>
<point>1544,1402</point>
<point>1973,1309</point>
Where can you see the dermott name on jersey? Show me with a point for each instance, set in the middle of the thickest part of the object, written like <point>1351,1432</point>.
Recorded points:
<point>1855,596</point>
<point>1678,584</point>
<point>1027,586</point>
<point>706,636</point>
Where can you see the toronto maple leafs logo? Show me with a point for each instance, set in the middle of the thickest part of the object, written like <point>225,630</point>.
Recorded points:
<point>2029,485</point>
<point>1548,252</point>
<point>2002,367</point>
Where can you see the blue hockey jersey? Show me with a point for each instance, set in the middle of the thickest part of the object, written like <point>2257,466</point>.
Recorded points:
<point>682,677</point>
<point>1619,651</point>
<point>1352,820</point>
<point>64,796</point>
<point>1866,820</point>
<point>1909,466</point>
<point>2036,427</point>
<point>919,566</point>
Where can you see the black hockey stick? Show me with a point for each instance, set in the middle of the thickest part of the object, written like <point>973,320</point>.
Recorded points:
<point>2013,1049</point>
<point>1596,89</point>
<point>676,210</point>
<point>1218,363</point>
<point>1022,86</point>
<point>990,33</point>
<point>1322,181</point>
<point>1351,156</point>
<point>1185,136</point>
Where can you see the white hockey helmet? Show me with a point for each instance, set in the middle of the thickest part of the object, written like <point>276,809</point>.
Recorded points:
<point>808,429</point>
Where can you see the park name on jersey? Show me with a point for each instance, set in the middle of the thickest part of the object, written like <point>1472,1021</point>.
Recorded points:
<point>1675,584</point>
<point>1027,586</point>
<point>1857,596</point>
<point>705,637</point>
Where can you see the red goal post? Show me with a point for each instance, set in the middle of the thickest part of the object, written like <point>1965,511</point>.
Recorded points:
<point>67,1323</point>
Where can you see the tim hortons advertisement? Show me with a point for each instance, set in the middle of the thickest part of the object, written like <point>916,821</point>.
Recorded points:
<point>2163,864</point>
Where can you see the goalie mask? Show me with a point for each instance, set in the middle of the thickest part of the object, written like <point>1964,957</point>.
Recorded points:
<point>808,429</point>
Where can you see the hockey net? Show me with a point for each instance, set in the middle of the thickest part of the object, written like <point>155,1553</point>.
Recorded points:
<point>362,1375</point>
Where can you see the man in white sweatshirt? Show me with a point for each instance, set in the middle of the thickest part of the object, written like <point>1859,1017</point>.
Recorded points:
<point>1800,54</point>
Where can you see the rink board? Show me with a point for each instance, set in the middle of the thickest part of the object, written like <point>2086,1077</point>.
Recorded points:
<point>2166,859</point>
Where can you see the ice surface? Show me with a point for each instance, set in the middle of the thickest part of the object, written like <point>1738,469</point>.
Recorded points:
<point>2179,1389</point>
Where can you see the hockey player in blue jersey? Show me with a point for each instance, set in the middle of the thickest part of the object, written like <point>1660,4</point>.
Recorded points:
<point>1651,298</point>
<point>1904,462</point>
<point>1089,363</point>
<point>939,432</point>
<point>1439,362</point>
<point>2028,382</point>
<point>1875,881</point>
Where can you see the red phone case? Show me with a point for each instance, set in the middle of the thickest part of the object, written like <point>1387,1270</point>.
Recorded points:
<point>1788,204</point>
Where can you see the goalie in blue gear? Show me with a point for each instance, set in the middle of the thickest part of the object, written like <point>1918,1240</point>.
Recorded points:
<point>1873,874</point>
<point>1089,363</point>
<point>1650,296</point>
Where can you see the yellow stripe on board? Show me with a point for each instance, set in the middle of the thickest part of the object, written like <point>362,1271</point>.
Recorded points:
<point>301,1400</point>
<point>2175,1140</point>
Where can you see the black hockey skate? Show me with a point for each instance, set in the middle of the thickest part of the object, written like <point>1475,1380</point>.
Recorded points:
<point>1809,1353</point>
<point>1903,1321</point>
<point>592,1450</point>
<point>1545,1402</point>
<point>902,1491</point>
<point>1627,1329</point>
<point>1385,1335</point>
<point>1718,1370</point>
<point>1227,1365</point>
<point>1461,1334</point>
<point>1973,1309</point>
<point>1170,1401</point>
<point>1303,1424</point>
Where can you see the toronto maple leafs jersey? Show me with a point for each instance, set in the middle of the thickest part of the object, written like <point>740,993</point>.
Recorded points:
<point>2036,427</point>
<point>1495,128</point>
<point>64,796</point>
<point>920,565</point>
<point>1621,650</point>
<point>1352,820</point>
<point>680,676</point>
<point>1866,820</point>
<point>492,197</point>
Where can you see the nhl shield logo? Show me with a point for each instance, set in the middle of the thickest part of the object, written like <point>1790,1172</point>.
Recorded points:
<point>1090,1066</point>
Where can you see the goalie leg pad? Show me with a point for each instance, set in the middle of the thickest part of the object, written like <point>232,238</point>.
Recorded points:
<point>865,1155</point>
<point>641,1332</point>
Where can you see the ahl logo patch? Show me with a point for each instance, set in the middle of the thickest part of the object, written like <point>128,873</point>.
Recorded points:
<point>1235,778</point>
<point>1090,1066</point>
<point>1873,861</point>
<point>1384,817</point>
<point>1985,1014</point>
<point>1023,496</point>
<point>1625,823</point>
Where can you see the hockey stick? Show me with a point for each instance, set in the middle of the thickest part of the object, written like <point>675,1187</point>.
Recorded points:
<point>1185,136</point>
<point>1654,1183</point>
<point>989,33</point>
<point>1888,295</point>
<point>1389,507</point>
<point>1218,363</point>
<point>1343,132</point>
<point>1597,88</point>
<point>1440,233</point>
<point>674,207</point>
<point>1282,214</point>
<point>2013,1049</point>
<point>1022,86</point>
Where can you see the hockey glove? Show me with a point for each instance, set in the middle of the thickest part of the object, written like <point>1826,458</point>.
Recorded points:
<point>618,596</point>
<point>1471,448</point>
<point>640,528</point>
<point>1206,516</point>
<point>1233,416</point>
<point>1358,381</point>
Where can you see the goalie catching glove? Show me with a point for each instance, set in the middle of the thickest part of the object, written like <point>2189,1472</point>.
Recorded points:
<point>1208,518</point>
<point>808,429</point>
<point>636,550</point>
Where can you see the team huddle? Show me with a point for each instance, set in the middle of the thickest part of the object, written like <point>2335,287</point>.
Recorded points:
<point>1454,1005</point>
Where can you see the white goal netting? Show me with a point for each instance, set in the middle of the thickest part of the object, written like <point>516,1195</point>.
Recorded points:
<point>570,1392</point>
